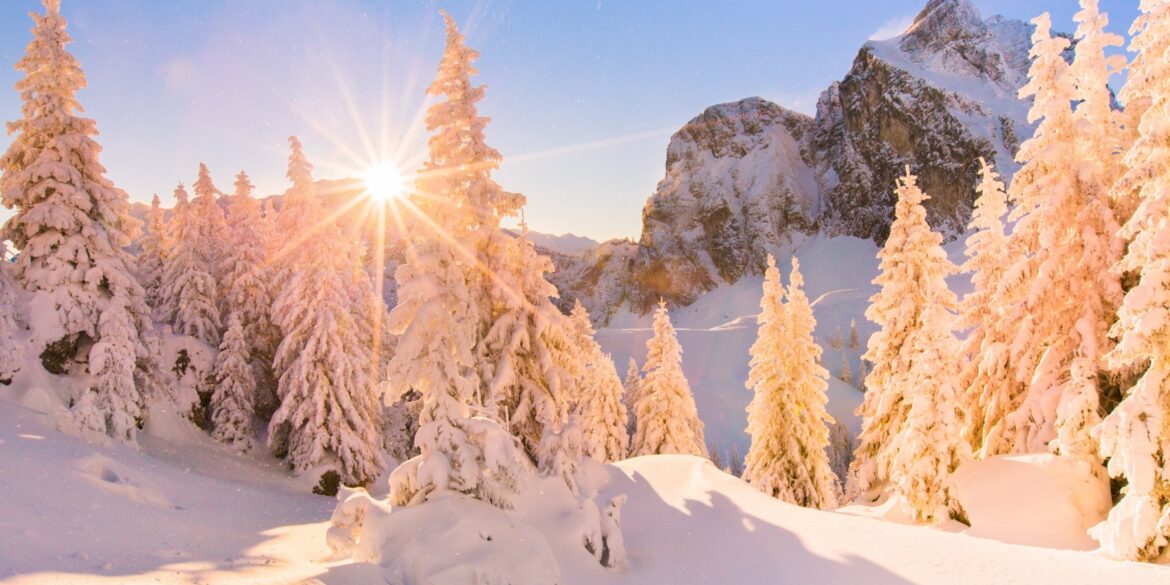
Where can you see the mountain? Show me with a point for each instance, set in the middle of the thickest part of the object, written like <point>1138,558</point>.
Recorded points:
<point>749,178</point>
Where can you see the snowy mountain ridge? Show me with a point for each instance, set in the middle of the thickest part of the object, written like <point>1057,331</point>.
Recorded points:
<point>749,178</point>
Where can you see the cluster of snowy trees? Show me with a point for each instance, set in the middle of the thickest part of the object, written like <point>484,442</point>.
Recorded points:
<point>1066,332</point>
<point>306,355</point>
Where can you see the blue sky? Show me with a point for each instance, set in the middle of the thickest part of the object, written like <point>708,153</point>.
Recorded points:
<point>583,95</point>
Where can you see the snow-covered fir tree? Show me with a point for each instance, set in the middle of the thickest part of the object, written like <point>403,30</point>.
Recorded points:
<point>71,225</point>
<point>235,386</point>
<point>989,391</point>
<point>247,275</point>
<point>1100,137</point>
<point>603,413</point>
<point>212,224</point>
<point>439,313</point>
<point>630,396</point>
<point>1062,294</point>
<point>854,341</point>
<point>112,405</point>
<point>530,360</point>
<point>155,244</point>
<point>189,299</point>
<point>1135,437</point>
<point>846,373</point>
<point>787,420</point>
<point>326,311</point>
<point>668,421</point>
<point>11,351</point>
<point>911,426</point>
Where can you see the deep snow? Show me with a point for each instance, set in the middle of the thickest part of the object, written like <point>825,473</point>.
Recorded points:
<point>184,510</point>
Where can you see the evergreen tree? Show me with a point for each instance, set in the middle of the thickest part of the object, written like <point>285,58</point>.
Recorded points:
<point>854,342</point>
<point>1136,435</point>
<point>439,313</point>
<point>846,374</point>
<point>787,419</point>
<point>668,421</point>
<point>152,261</point>
<point>1099,131</point>
<point>71,225</point>
<point>247,287</point>
<point>189,299</point>
<point>630,397</point>
<point>603,413</point>
<point>989,391</point>
<point>231,401</point>
<point>11,351</point>
<point>1062,293</point>
<point>908,387</point>
<point>212,224</point>
<point>326,311</point>
<point>529,359</point>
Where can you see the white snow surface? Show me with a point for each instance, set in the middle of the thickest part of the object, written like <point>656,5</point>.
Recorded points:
<point>717,330</point>
<point>187,510</point>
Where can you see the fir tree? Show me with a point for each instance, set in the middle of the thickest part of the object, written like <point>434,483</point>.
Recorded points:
<point>1136,435</point>
<point>787,419</point>
<point>247,275</point>
<point>231,401</point>
<point>1062,294</point>
<point>71,225</point>
<point>630,397</point>
<point>152,261</point>
<point>846,374</point>
<point>189,294</point>
<point>989,391</point>
<point>439,314</point>
<point>11,351</point>
<point>326,311</point>
<point>668,421</point>
<point>603,413</point>
<point>911,425</point>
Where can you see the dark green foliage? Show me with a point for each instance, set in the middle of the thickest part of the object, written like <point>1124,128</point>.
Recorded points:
<point>58,355</point>
<point>329,484</point>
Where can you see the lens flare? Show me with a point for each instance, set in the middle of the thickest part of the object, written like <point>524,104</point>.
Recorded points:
<point>384,182</point>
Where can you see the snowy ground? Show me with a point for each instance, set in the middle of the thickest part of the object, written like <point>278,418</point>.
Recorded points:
<point>183,511</point>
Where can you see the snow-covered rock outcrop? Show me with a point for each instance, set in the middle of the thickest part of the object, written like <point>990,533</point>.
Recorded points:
<point>750,177</point>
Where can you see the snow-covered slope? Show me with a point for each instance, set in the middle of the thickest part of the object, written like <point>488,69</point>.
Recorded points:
<point>718,328</point>
<point>183,510</point>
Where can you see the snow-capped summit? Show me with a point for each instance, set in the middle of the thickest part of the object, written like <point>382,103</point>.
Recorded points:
<point>750,177</point>
<point>951,36</point>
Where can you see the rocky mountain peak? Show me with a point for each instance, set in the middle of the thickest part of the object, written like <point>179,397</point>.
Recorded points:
<point>951,36</point>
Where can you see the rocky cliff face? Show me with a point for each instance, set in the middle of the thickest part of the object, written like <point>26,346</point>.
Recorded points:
<point>748,178</point>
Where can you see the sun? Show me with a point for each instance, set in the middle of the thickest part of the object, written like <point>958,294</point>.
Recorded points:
<point>384,182</point>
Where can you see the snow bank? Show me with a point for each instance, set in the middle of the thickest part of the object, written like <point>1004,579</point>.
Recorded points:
<point>1037,500</point>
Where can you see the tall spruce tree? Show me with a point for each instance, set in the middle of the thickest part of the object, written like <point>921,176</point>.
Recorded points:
<point>1135,437</point>
<point>668,421</point>
<point>787,420</point>
<point>71,225</point>
<point>988,391</point>
<point>439,319</point>
<point>911,425</point>
<point>599,401</point>
<point>1062,295</point>
<point>326,310</point>
<point>155,244</point>
<point>189,298</point>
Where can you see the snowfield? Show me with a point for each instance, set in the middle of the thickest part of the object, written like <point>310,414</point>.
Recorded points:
<point>186,510</point>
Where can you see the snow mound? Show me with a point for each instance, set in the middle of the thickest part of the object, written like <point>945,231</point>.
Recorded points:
<point>115,478</point>
<point>1037,500</point>
<point>449,540</point>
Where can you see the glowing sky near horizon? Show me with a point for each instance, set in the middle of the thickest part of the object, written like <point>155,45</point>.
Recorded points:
<point>583,96</point>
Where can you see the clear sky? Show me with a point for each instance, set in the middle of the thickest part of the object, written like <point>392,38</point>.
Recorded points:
<point>583,95</point>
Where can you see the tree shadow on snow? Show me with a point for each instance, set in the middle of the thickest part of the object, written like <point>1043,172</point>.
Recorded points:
<point>717,542</point>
